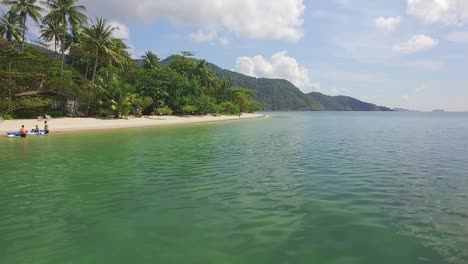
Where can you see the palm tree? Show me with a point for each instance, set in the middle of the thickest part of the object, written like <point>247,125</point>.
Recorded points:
<point>224,86</point>
<point>25,9</point>
<point>50,31</point>
<point>151,61</point>
<point>102,46</point>
<point>9,26</point>
<point>66,14</point>
<point>122,57</point>
<point>205,75</point>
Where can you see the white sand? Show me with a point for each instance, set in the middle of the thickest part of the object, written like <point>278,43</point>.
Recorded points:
<point>80,124</point>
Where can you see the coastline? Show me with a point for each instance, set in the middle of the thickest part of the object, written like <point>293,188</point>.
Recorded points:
<point>69,124</point>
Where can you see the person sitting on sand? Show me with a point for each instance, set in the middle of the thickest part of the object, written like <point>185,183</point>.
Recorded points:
<point>46,127</point>
<point>37,129</point>
<point>23,131</point>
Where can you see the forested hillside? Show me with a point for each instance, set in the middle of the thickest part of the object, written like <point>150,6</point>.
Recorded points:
<point>275,94</point>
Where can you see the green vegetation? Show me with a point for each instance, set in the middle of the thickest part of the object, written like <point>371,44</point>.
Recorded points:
<point>282,95</point>
<point>89,72</point>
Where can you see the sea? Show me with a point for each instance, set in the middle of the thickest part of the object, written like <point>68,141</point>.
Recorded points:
<point>296,187</point>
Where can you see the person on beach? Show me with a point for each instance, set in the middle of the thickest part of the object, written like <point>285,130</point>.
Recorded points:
<point>37,129</point>
<point>46,128</point>
<point>23,131</point>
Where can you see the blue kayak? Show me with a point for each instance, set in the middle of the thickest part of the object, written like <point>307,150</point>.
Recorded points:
<point>18,134</point>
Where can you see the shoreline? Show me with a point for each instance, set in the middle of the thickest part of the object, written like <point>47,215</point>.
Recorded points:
<point>68,124</point>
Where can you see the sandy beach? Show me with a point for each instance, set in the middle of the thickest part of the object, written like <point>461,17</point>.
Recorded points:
<point>82,124</point>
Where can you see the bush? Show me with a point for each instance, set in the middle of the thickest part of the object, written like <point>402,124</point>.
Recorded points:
<point>204,104</point>
<point>6,116</point>
<point>229,108</point>
<point>27,113</point>
<point>189,109</point>
<point>217,109</point>
<point>163,110</point>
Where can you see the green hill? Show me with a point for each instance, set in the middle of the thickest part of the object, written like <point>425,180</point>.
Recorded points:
<point>277,94</point>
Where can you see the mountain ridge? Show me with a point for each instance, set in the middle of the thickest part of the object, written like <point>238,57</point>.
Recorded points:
<point>282,95</point>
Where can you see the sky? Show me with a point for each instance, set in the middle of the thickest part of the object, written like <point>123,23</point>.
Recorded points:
<point>402,53</point>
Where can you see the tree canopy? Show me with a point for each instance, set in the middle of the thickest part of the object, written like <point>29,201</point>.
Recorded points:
<point>95,73</point>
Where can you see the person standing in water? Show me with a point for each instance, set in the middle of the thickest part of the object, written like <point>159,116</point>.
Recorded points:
<point>23,131</point>
<point>46,128</point>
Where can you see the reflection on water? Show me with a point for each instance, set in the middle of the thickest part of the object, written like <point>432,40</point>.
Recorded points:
<point>294,188</point>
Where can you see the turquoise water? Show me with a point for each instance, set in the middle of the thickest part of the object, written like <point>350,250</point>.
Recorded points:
<point>294,188</point>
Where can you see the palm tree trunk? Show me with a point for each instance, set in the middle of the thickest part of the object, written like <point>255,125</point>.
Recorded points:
<point>95,68</point>
<point>24,29</point>
<point>93,79</point>
<point>63,58</point>
<point>87,69</point>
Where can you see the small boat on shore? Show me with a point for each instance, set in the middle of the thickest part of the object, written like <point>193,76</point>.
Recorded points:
<point>18,134</point>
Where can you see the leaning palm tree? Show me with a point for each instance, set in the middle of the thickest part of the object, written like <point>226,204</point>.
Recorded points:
<point>10,24</point>
<point>67,14</point>
<point>150,61</point>
<point>25,9</point>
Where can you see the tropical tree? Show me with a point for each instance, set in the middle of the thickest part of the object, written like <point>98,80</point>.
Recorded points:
<point>223,89</point>
<point>205,75</point>
<point>244,99</point>
<point>10,24</point>
<point>151,61</point>
<point>103,46</point>
<point>25,9</point>
<point>122,57</point>
<point>116,95</point>
<point>51,31</point>
<point>81,50</point>
<point>65,14</point>
<point>187,54</point>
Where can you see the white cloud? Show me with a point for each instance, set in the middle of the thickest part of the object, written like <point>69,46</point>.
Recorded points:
<point>388,24</point>
<point>121,31</point>
<point>416,44</point>
<point>255,19</point>
<point>453,12</point>
<point>460,37</point>
<point>280,66</point>
<point>405,97</point>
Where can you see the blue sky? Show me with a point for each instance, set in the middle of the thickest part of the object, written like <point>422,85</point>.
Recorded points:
<point>399,53</point>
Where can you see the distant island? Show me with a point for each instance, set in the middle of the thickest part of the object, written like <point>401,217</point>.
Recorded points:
<point>438,111</point>
<point>404,110</point>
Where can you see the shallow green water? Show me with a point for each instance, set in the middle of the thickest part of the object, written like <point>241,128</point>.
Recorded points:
<point>295,188</point>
